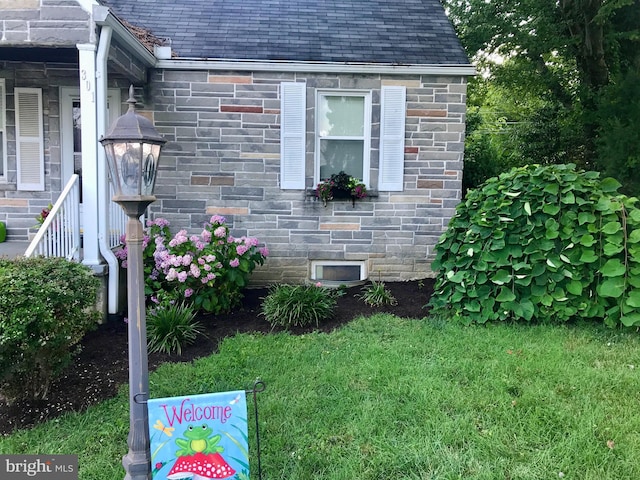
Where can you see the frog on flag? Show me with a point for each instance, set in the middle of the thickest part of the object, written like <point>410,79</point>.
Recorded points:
<point>199,437</point>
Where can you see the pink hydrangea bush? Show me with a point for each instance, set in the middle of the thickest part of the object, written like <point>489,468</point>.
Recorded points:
<point>208,270</point>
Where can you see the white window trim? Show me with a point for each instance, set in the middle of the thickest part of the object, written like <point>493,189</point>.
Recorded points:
<point>3,129</point>
<point>366,160</point>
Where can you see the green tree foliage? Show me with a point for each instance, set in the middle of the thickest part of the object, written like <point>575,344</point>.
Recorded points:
<point>618,143</point>
<point>507,129</point>
<point>553,64</point>
<point>588,40</point>
<point>542,243</point>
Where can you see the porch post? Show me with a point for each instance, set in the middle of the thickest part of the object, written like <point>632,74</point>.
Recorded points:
<point>87,56</point>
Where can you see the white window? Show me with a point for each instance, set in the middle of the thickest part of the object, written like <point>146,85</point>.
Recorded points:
<point>29,139</point>
<point>342,136</point>
<point>3,135</point>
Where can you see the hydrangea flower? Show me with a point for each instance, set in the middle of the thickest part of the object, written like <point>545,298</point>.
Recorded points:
<point>198,267</point>
<point>194,270</point>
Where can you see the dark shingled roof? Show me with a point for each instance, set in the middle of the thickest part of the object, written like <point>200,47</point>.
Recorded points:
<point>371,31</point>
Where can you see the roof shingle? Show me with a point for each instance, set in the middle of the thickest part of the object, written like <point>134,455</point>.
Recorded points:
<point>357,31</point>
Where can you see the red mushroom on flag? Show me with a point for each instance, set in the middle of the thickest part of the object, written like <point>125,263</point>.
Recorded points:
<point>201,467</point>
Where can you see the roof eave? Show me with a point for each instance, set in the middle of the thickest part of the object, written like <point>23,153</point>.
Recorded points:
<point>103,16</point>
<point>316,67</point>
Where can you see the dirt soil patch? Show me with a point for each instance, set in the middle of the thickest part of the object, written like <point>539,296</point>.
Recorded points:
<point>102,366</point>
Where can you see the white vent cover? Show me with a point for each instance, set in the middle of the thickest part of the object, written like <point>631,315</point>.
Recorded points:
<point>338,272</point>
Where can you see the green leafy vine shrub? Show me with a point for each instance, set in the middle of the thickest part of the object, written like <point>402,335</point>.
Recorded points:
<point>46,307</point>
<point>542,243</point>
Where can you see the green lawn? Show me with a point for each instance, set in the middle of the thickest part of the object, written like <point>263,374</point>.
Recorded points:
<point>387,398</point>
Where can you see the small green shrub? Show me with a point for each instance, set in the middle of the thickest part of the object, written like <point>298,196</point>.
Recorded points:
<point>299,305</point>
<point>545,243</point>
<point>171,326</point>
<point>377,294</point>
<point>46,307</point>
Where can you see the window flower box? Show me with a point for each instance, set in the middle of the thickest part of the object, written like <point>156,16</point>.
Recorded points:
<point>340,186</point>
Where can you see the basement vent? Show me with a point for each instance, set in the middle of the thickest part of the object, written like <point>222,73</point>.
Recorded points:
<point>332,272</point>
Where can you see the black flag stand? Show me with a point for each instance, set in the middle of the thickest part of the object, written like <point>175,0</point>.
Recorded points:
<point>258,386</point>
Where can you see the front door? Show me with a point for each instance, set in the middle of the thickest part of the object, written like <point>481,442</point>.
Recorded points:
<point>71,129</point>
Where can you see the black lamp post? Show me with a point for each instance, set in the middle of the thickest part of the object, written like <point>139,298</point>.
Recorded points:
<point>132,146</point>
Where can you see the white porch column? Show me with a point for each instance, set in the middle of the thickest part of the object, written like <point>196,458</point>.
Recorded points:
<point>87,56</point>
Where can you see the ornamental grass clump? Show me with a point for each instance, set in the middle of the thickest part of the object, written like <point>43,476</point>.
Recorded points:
<point>46,307</point>
<point>291,306</point>
<point>542,243</point>
<point>208,271</point>
<point>376,294</point>
<point>171,326</point>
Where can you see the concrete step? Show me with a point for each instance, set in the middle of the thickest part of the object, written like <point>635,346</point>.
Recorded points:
<point>13,248</point>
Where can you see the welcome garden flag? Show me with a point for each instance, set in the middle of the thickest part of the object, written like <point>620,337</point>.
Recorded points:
<point>199,437</point>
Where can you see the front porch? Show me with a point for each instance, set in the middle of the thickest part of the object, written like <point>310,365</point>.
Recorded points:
<point>58,95</point>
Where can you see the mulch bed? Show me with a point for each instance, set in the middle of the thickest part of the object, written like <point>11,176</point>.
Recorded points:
<point>102,366</point>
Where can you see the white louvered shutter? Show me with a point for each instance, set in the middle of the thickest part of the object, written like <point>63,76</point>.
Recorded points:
<point>29,139</point>
<point>392,120</point>
<point>293,105</point>
<point>3,135</point>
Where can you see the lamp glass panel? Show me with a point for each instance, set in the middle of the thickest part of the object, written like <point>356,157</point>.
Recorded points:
<point>150,155</point>
<point>130,173</point>
<point>113,170</point>
<point>133,167</point>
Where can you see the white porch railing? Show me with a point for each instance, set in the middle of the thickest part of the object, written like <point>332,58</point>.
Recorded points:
<point>59,235</point>
<point>117,222</point>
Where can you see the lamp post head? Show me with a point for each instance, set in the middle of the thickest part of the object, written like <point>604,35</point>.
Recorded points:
<point>132,146</point>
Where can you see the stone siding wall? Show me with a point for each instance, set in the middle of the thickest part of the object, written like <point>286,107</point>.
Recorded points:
<point>43,22</point>
<point>223,157</point>
<point>123,64</point>
<point>19,208</point>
